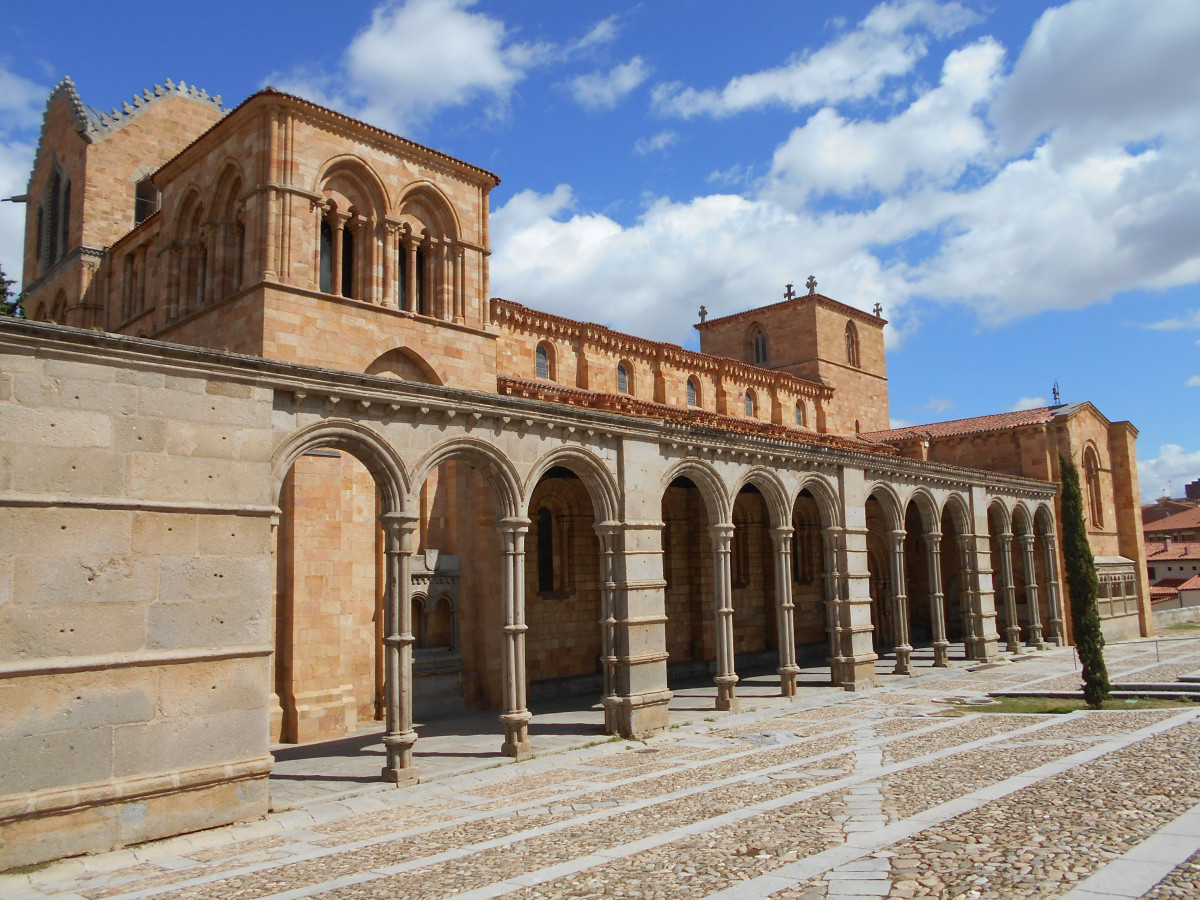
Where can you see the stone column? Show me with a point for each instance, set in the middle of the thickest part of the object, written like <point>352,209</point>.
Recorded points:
<point>1031,592</point>
<point>398,643</point>
<point>1012,632</point>
<point>1053,597</point>
<point>726,678</point>
<point>937,603</point>
<point>607,532</point>
<point>516,716</point>
<point>837,611</point>
<point>785,626</point>
<point>336,224</point>
<point>460,285</point>
<point>900,604</point>
<point>414,302</point>
<point>390,295</point>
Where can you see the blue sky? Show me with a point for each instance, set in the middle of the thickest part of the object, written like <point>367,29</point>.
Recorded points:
<point>1018,184</point>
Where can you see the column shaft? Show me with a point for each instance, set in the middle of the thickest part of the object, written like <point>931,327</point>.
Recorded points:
<point>516,716</point>
<point>937,602</point>
<point>785,626</point>
<point>726,677</point>
<point>900,605</point>
<point>398,641</point>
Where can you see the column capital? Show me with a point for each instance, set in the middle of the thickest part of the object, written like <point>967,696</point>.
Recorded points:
<point>399,525</point>
<point>512,525</point>
<point>1026,541</point>
<point>608,528</point>
<point>933,539</point>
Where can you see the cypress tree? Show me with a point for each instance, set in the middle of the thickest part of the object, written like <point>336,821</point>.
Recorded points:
<point>1083,587</point>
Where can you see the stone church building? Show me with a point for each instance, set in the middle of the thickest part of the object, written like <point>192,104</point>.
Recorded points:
<point>275,463</point>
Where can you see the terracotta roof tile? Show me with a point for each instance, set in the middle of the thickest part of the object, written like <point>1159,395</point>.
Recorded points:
<point>1192,584</point>
<point>1189,518</point>
<point>995,422</point>
<point>1157,552</point>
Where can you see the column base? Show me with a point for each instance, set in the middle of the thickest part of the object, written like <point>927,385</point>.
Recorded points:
<point>516,734</point>
<point>903,660</point>
<point>787,680</point>
<point>983,649</point>
<point>399,768</point>
<point>726,696</point>
<point>400,777</point>
<point>855,673</point>
<point>941,654</point>
<point>637,716</point>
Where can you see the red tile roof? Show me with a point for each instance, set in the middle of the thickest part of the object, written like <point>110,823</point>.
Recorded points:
<point>996,422</point>
<point>1192,584</point>
<point>1183,521</point>
<point>1158,552</point>
<point>1159,593</point>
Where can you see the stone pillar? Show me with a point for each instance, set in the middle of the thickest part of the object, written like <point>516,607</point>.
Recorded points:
<point>857,628</point>
<point>900,604</point>
<point>726,678</point>
<point>337,221</point>
<point>608,532</point>
<point>414,302</point>
<point>834,606</point>
<point>1053,596</point>
<point>785,626</point>
<point>1012,632</point>
<point>1031,592</point>
<point>390,294</point>
<point>398,643</point>
<point>516,716</point>
<point>937,603</point>
<point>460,285</point>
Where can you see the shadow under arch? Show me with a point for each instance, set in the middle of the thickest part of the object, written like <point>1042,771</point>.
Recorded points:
<point>405,363</point>
<point>599,481</point>
<point>708,482</point>
<point>369,448</point>
<point>426,197</point>
<point>772,490</point>
<point>360,177</point>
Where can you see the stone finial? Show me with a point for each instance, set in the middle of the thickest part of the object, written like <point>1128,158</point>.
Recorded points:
<point>170,84</point>
<point>126,108</point>
<point>811,284</point>
<point>703,313</point>
<point>788,293</point>
<point>878,310</point>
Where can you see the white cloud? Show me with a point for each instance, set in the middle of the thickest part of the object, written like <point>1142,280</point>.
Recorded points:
<point>1028,403</point>
<point>1169,471</point>
<point>604,90</point>
<point>603,32</point>
<point>419,57</point>
<point>896,422</point>
<point>933,139</point>
<point>660,141</point>
<point>885,44</point>
<point>1104,72</point>
<point>1194,381</point>
<point>21,104</point>
<point>1192,320</point>
<point>939,405</point>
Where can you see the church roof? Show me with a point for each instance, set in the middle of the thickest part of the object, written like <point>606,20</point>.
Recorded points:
<point>95,123</point>
<point>996,422</point>
<point>853,311</point>
<point>1186,520</point>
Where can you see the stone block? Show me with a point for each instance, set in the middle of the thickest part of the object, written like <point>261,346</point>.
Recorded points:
<point>234,535</point>
<point>66,428</point>
<point>77,701</point>
<point>209,623</point>
<point>215,578</point>
<point>71,578</point>
<point>56,470</point>
<point>187,742</point>
<point>47,393</point>
<point>40,761</point>
<point>195,480</point>
<point>64,530</point>
<point>209,688</point>
<point>192,439</point>
<point>139,434</point>
<point>27,632</point>
<point>165,534</point>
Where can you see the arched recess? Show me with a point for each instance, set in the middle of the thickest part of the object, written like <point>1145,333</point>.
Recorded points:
<point>884,520</point>
<point>773,492</point>
<point>406,364</point>
<point>957,567</point>
<point>759,504</point>
<point>925,623</point>
<point>332,481</point>
<point>429,260</point>
<point>424,203</point>
<point>230,238</point>
<point>1029,574</point>
<point>708,482</point>
<point>187,290</point>
<point>1004,549</point>
<point>497,470</point>
<point>815,518</point>
<point>573,504</point>
<point>349,219</point>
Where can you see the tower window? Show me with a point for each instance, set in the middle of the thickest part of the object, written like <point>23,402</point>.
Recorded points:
<point>347,262</point>
<point>759,342</point>
<point>1091,475</point>
<point>145,202</point>
<point>852,345</point>
<point>326,258</point>
<point>692,393</point>
<point>543,362</point>
<point>750,404</point>
<point>800,419</point>
<point>622,379</point>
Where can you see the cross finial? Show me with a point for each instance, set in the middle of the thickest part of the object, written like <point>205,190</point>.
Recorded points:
<point>1057,398</point>
<point>703,313</point>
<point>811,284</point>
<point>878,310</point>
<point>788,293</point>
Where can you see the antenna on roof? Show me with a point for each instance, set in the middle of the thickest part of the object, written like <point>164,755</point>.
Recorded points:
<point>1057,398</point>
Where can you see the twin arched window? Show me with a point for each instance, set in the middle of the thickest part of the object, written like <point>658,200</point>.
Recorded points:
<point>852,345</point>
<point>758,346</point>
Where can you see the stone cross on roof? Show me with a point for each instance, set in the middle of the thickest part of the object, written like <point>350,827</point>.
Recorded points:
<point>878,310</point>
<point>788,293</point>
<point>703,313</point>
<point>811,284</point>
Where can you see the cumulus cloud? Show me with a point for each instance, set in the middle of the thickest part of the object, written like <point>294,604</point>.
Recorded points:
<point>21,105</point>
<point>416,58</point>
<point>1169,471</point>
<point>660,141</point>
<point>604,90</point>
<point>884,45</point>
<point>603,32</point>
<point>1194,381</point>
<point>1177,323</point>
<point>933,139</point>
<point>938,405</point>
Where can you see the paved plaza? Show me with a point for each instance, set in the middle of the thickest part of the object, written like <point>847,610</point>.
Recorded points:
<point>830,795</point>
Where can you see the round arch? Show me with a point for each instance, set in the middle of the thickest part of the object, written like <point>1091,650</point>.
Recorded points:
<point>190,212</point>
<point>708,482</point>
<point>889,502</point>
<point>359,174</point>
<point>927,508</point>
<point>826,496</point>
<point>428,195</point>
<point>999,513</point>
<point>600,483</point>
<point>230,177</point>
<point>956,506</point>
<point>1043,519</point>
<point>1022,521</point>
<point>406,363</point>
<point>360,442</point>
<point>773,492</point>
<point>497,470</point>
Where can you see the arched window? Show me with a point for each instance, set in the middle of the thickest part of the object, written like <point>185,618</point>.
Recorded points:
<point>1091,476</point>
<point>423,304</point>
<point>347,262</point>
<point>693,394</point>
<point>758,341</point>
<point>545,549</point>
<point>402,275</point>
<point>326,284</point>
<point>800,418</point>
<point>852,345</point>
<point>749,404</point>
<point>199,274</point>
<point>54,226</point>
<point>145,200</point>
<point>239,254</point>
<point>622,379</point>
<point>543,362</point>
<point>64,237</point>
<point>38,239</point>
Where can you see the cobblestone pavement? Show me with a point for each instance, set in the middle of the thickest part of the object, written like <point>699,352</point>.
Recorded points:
<point>882,794</point>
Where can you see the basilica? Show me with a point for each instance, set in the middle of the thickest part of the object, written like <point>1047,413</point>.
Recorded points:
<point>276,464</point>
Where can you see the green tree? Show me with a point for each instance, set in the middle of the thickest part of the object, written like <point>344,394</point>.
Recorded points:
<point>1083,587</point>
<point>10,305</point>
